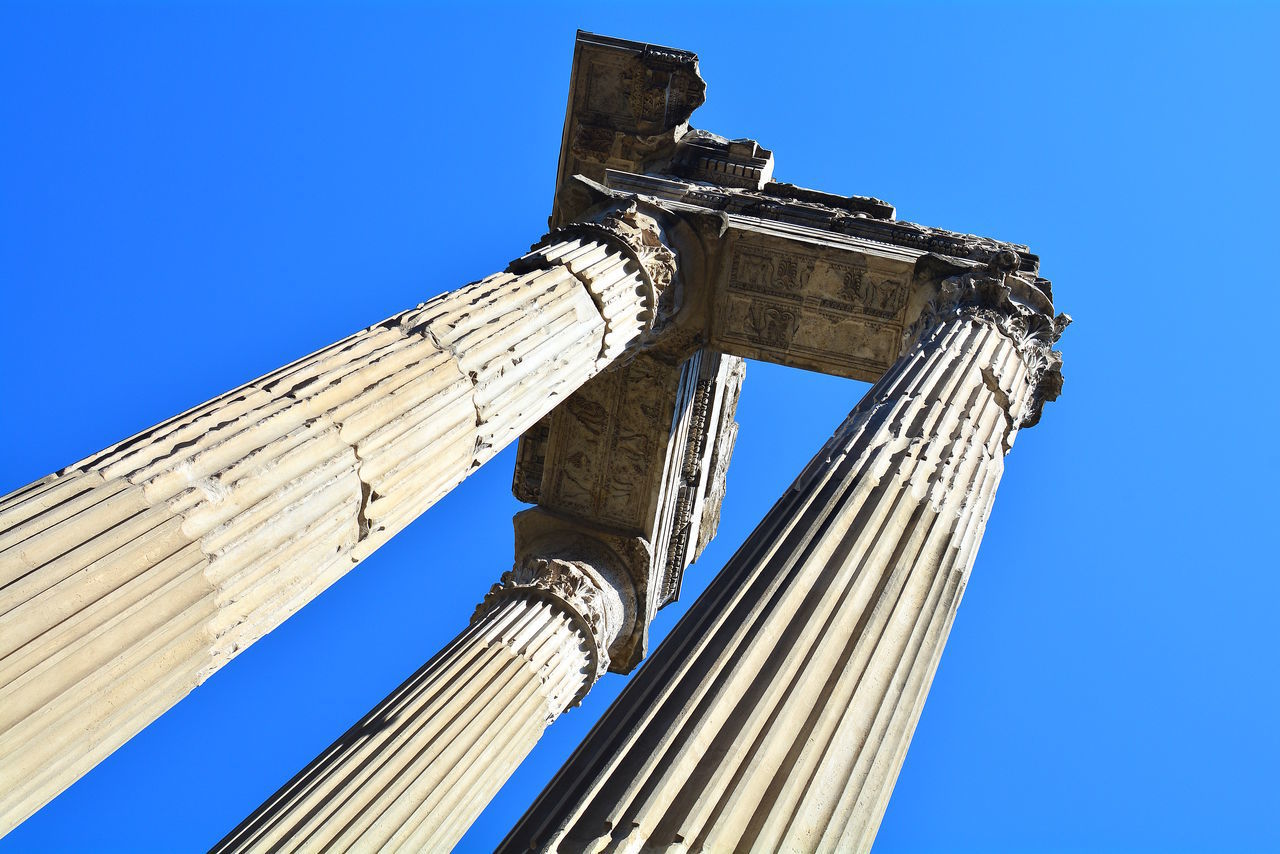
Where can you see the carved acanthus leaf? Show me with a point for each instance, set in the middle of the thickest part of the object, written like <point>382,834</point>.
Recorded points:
<point>568,585</point>
<point>1019,307</point>
<point>639,236</point>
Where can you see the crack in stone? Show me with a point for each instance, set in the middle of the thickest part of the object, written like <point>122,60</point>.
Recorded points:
<point>1002,398</point>
<point>473,378</point>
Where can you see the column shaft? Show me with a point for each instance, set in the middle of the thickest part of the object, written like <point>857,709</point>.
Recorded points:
<point>777,714</point>
<point>129,578</point>
<point>394,779</point>
<point>417,770</point>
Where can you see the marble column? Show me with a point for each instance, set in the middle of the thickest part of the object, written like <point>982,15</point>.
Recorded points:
<point>777,714</point>
<point>415,772</point>
<point>130,577</point>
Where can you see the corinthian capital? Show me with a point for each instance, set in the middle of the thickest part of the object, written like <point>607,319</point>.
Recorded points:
<point>636,234</point>
<point>1019,306</point>
<point>576,589</point>
<point>640,235</point>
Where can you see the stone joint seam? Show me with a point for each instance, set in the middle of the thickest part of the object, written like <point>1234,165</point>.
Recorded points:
<point>329,423</point>
<point>530,263</point>
<point>475,387</point>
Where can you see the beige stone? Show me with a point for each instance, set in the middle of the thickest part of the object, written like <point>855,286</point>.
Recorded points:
<point>129,578</point>
<point>594,561</point>
<point>415,772</point>
<point>776,715</point>
<point>634,462</point>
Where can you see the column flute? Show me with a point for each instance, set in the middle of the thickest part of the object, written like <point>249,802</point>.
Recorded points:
<point>415,772</point>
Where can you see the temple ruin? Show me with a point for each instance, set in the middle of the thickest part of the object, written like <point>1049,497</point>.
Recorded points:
<point>775,716</point>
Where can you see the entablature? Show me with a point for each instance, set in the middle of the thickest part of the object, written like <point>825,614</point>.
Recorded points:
<point>762,269</point>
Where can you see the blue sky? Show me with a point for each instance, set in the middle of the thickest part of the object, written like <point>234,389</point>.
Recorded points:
<point>193,195</point>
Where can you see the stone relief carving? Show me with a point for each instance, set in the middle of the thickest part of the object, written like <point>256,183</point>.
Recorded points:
<point>811,305</point>
<point>643,92</point>
<point>771,325</point>
<point>640,451</point>
<point>629,106</point>
<point>605,445</point>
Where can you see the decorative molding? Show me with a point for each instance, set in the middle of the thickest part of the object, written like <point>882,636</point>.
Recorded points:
<point>704,469</point>
<point>809,303</point>
<point>705,156</point>
<point>852,216</point>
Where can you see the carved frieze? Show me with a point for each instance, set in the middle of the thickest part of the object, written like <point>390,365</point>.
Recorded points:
<point>807,279</point>
<point>810,305</point>
<point>602,447</point>
<point>768,270</point>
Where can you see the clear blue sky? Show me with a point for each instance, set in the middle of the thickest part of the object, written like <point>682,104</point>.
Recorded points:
<point>191,196</point>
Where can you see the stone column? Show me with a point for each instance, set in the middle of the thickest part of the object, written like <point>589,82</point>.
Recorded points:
<point>776,715</point>
<point>418,769</point>
<point>628,475</point>
<point>130,577</point>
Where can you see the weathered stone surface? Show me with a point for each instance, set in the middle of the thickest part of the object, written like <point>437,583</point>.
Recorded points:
<point>776,272</point>
<point>803,278</point>
<point>777,713</point>
<point>634,460</point>
<point>593,562</point>
<point>629,103</point>
<point>129,578</point>
<point>624,474</point>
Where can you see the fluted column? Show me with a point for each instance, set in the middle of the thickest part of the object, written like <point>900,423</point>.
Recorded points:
<point>418,769</point>
<point>128,578</point>
<point>776,715</point>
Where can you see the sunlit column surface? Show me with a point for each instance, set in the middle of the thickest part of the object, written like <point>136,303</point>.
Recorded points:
<point>777,714</point>
<point>130,577</point>
<point>417,770</point>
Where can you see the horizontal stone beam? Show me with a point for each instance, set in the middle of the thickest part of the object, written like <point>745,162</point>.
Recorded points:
<point>776,272</point>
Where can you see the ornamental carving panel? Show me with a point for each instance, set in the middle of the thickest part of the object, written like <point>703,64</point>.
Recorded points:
<point>824,309</point>
<point>602,451</point>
